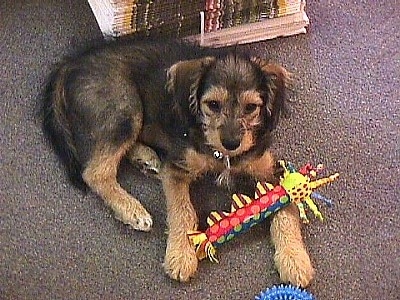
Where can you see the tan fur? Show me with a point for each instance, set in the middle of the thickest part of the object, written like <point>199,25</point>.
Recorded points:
<point>198,164</point>
<point>291,257</point>
<point>100,175</point>
<point>280,72</point>
<point>250,97</point>
<point>218,94</point>
<point>261,168</point>
<point>180,259</point>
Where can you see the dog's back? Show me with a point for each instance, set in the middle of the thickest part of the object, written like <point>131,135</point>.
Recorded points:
<point>96,94</point>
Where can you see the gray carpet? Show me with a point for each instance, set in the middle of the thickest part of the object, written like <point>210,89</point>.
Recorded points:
<point>58,243</point>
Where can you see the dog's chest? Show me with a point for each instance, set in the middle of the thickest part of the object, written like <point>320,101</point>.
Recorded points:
<point>199,163</point>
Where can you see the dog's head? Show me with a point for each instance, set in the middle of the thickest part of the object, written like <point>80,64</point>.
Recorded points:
<point>237,100</point>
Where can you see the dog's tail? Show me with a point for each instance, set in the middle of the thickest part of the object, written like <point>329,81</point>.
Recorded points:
<point>57,126</point>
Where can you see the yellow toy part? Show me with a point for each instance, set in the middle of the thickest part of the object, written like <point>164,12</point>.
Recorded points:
<point>300,187</point>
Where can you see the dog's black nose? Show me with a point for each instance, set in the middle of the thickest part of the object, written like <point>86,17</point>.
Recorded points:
<point>231,144</point>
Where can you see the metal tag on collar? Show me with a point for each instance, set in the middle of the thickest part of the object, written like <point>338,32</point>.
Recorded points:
<point>219,156</point>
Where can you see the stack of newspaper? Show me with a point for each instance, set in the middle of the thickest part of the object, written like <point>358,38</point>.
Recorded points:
<point>210,22</point>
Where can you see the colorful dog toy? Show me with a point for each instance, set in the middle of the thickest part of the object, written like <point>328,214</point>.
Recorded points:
<point>295,187</point>
<point>284,292</point>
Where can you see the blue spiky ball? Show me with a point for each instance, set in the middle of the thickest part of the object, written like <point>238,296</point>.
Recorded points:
<point>284,292</point>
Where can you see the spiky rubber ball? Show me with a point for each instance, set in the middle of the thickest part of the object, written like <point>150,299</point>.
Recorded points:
<point>284,292</point>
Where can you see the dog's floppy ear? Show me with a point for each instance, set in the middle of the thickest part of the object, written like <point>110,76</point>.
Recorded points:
<point>280,79</point>
<point>183,79</point>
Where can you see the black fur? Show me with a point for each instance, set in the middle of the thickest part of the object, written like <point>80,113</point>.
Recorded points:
<point>56,125</point>
<point>96,96</point>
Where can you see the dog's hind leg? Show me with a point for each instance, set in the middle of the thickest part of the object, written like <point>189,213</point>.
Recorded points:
<point>100,175</point>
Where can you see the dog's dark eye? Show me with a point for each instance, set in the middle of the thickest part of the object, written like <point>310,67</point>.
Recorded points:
<point>214,106</point>
<point>250,108</point>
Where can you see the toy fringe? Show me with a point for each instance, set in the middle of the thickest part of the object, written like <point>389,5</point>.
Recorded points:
<point>203,246</point>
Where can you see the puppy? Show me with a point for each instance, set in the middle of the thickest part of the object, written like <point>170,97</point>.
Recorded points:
<point>183,111</point>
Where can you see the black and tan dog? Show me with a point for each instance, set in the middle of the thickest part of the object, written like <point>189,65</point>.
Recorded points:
<point>182,110</point>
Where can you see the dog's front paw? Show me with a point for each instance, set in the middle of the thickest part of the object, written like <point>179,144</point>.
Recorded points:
<point>294,266</point>
<point>180,264</point>
<point>145,158</point>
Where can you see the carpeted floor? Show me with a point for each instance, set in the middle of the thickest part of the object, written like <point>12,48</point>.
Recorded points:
<point>58,243</point>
